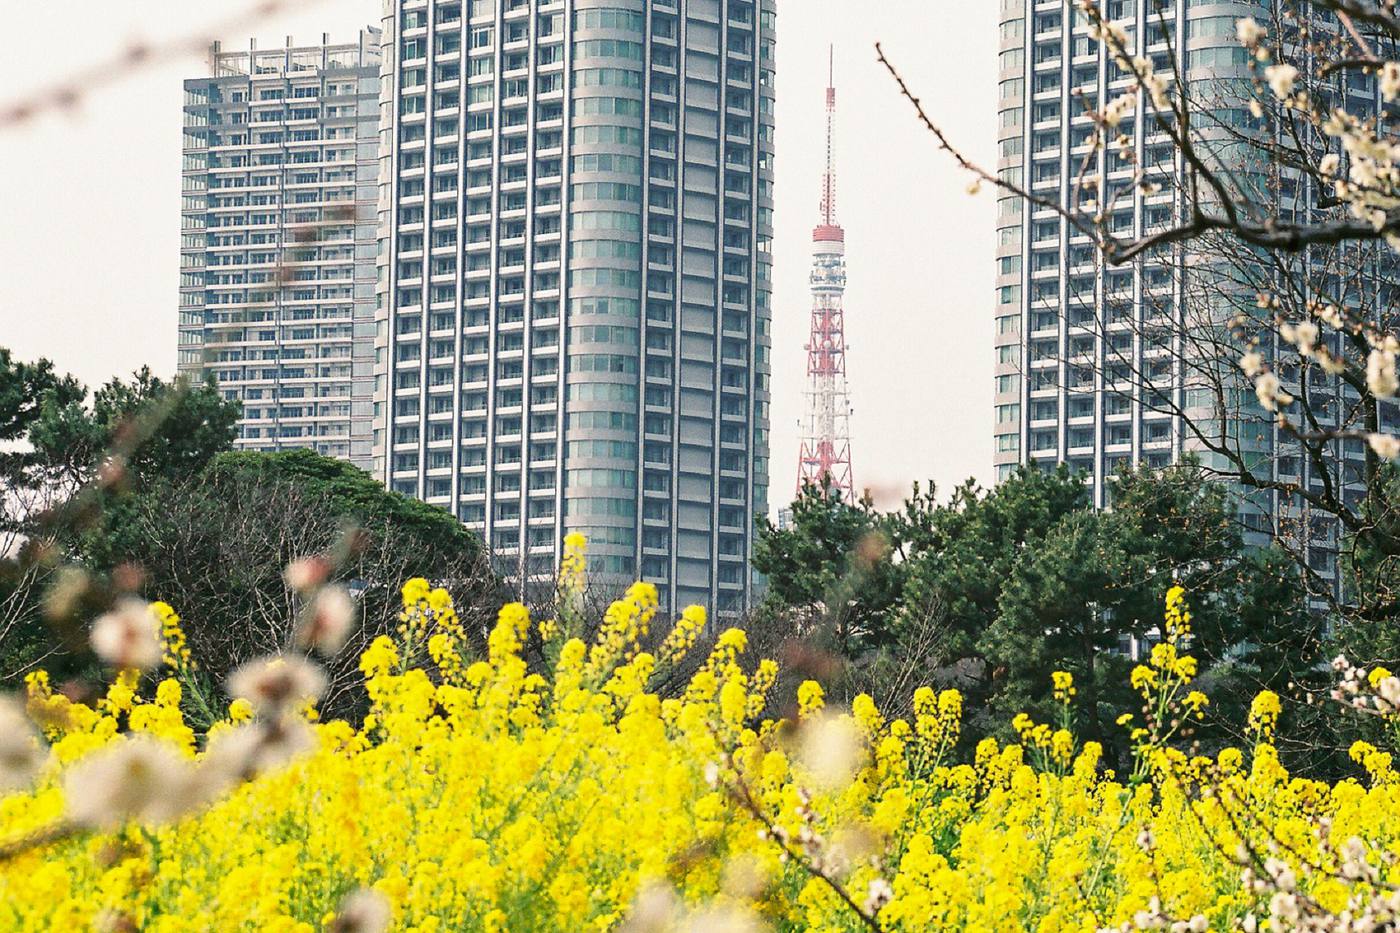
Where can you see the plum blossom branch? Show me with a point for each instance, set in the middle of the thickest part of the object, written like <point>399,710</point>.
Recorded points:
<point>68,93</point>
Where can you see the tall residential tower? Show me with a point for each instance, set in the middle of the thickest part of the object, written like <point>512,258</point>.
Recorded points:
<point>1099,365</point>
<point>576,222</point>
<point>1063,319</point>
<point>278,238</point>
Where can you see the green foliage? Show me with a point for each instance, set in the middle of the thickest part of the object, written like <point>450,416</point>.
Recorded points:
<point>1027,577</point>
<point>140,488</point>
<point>835,558</point>
<point>26,390</point>
<point>964,552</point>
<point>350,495</point>
<point>1092,584</point>
<point>1371,559</point>
<point>145,433</point>
<point>29,393</point>
<point>165,430</point>
<point>221,539</point>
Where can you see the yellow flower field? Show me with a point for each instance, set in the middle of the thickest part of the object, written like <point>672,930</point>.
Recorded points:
<point>480,794</point>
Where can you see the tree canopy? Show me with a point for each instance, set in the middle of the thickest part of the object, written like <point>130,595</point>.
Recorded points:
<point>1027,577</point>
<point>137,489</point>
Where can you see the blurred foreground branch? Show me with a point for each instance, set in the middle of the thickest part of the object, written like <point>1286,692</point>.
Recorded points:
<point>68,93</point>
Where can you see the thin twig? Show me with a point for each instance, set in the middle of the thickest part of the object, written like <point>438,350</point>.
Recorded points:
<point>55,832</point>
<point>739,790</point>
<point>66,94</point>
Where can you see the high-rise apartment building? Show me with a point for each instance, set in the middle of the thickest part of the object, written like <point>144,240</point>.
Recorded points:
<point>576,228</point>
<point>278,241</point>
<point>1091,369</point>
<point>1076,363</point>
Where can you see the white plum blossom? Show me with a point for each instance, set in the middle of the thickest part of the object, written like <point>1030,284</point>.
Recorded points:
<point>1283,908</point>
<point>1390,80</point>
<point>1389,690</point>
<point>363,910</point>
<point>1386,446</point>
<point>831,751</point>
<point>1151,918</point>
<point>137,777</point>
<point>721,919</point>
<point>1381,376</point>
<point>306,573</point>
<point>1249,32</point>
<point>1281,79</point>
<point>275,684</point>
<point>878,894</point>
<point>327,620</point>
<point>1332,365</point>
<point>1329,315</point>
<point>22,750</point>
<point>1156,86</point>
<point>1114,35</point>
<point>242,752</point>
<point>128,636</point>
<point>654,910</point>
<point>1118,109</point>
<point>1270,392</point>
<point>1283,875</point>
<point>1302,335</point>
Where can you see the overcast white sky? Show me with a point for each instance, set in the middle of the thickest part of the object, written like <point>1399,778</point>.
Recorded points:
<point>89,232</point>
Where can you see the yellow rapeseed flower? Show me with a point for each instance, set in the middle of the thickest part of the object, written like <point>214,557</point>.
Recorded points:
<point>615,786</point>
<point>1264,712</point>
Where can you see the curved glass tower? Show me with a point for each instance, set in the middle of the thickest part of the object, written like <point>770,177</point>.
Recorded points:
<point>576,222</point>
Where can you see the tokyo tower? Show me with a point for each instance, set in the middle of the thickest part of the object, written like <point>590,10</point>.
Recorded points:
<point>826,429</point>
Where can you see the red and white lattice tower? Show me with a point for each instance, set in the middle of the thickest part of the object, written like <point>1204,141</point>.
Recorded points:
<point>826,429</point>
